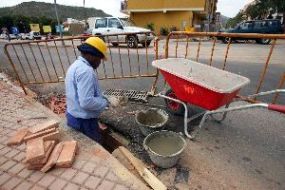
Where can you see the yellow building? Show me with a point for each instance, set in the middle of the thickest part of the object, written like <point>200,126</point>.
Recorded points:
<point>171,14</point>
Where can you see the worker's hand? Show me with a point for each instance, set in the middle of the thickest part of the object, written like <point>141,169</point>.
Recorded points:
<point>117,101</point>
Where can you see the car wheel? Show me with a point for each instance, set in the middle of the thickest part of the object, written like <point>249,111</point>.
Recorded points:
<point>263,41</point>
<point>146,44</point>
<point>173,107</point>
<point>132,42</point>
<point>115,44</point>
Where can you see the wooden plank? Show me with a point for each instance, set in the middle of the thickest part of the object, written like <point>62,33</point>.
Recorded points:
<point>151,179</point>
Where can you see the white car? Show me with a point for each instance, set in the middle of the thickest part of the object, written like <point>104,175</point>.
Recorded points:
<point>114,25</point>
<point>31,36</point>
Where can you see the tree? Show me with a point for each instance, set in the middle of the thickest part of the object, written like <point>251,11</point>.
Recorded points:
<point>232,22</point>
<point>259,9</point>
<point>279,5</point>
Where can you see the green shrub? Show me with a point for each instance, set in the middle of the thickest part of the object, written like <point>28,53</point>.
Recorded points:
<point>173,28</point>
<point>150,26</point>
<point>164,31</point>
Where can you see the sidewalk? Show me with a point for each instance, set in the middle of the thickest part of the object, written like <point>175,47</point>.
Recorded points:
<point>94,167</point>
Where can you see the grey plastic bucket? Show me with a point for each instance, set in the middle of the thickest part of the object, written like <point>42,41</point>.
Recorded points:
<point>151,120</point>
<point>164,147</point>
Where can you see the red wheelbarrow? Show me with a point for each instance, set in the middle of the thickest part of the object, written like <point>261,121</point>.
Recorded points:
<point>204,86</point>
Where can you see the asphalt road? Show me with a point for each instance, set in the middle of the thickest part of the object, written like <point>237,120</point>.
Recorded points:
<point>247,59</point>
<point>246,151</point>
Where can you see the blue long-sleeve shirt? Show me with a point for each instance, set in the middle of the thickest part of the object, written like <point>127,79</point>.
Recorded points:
<point>83,94</point>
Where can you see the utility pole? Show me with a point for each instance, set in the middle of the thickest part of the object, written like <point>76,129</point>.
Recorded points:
<point>58,23</point>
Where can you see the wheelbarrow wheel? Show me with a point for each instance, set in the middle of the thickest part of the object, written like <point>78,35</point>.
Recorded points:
<point>173,107</point>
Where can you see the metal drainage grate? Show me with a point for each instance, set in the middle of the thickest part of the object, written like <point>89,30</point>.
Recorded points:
<point>131,94</point>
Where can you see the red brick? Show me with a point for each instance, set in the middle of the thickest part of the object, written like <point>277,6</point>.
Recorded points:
<point>101,171</point>
<point>67,154</point>
<point>48,151</point>
<point>58,184</point>
<point>34,166</point>
<point>12,153</point>
<point>17,168</point>
<point>24,186</point>
<point>68,174</point>
<point>13,182</point>
<point>18,137</point>
<point>106,185</point>
<point>44,126</point>
<point>46,180</point>
<point>121,187</point>
<point>53,157</point>
<point>7,165</point>
<point>40,134</point>
<point>49,145</point>
<point>35,150</point>
<point>3,178</point>
<point>55,136</point>
<point>80,177</point>
<point>89,167</point>
<point>92,182</point>
<point>71,186</point>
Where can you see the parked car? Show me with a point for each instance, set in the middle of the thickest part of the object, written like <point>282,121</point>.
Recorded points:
<point>31,36</point>
<point>114,25</point>
<point>270,26</point>
<point>11,36</point>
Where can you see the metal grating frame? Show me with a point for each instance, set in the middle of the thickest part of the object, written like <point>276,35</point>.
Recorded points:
<point>131,94</point>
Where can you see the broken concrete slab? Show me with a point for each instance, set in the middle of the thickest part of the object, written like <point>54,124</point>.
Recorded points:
<point>67,154</point>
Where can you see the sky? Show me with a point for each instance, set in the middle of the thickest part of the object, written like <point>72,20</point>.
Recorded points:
<point>227,7</point>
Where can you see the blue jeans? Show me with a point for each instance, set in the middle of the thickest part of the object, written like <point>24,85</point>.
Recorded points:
<point>88,127</point>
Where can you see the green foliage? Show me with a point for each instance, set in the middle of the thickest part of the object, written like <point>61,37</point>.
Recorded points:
<point>173,28</point>
<point>232,22</point>
<point>150,26</point>
<point>40,9</point>
<point>42,13</point>
<point>164,31</point>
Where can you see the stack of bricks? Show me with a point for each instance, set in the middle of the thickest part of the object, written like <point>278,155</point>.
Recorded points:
<point>44,149</point>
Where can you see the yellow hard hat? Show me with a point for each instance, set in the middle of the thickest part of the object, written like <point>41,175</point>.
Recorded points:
<point>99,44</point>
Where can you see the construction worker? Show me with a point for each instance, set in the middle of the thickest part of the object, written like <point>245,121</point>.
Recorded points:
<point>83,95</point>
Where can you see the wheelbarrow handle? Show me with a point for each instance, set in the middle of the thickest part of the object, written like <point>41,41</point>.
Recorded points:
<point>276,107</point>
